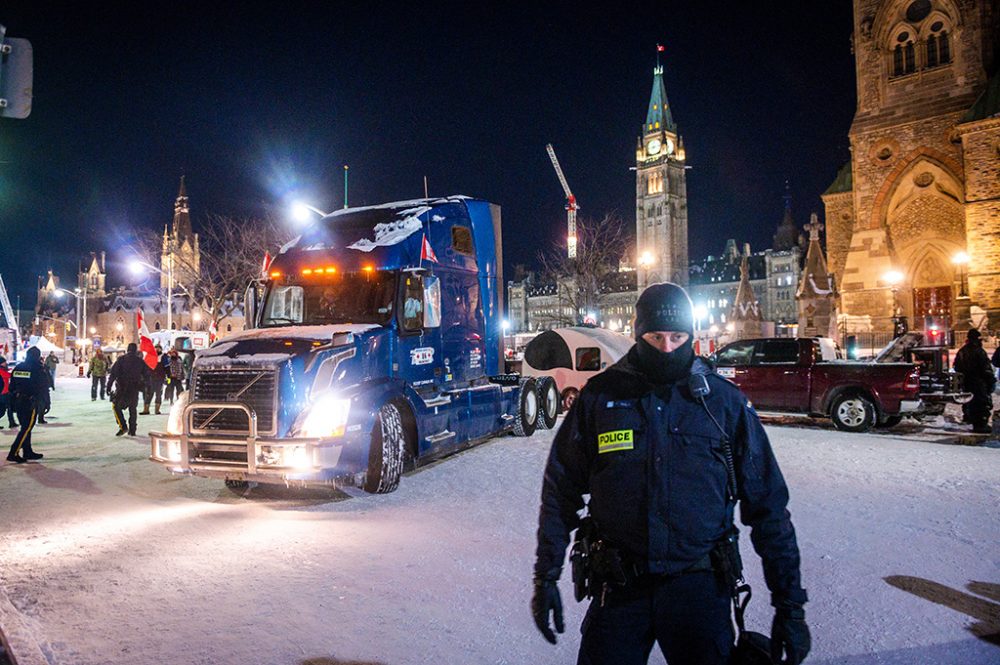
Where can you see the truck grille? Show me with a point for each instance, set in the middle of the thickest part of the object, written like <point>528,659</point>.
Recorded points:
<point>253,386</point>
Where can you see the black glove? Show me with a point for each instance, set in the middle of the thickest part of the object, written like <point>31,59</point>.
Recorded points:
<point>545,600</point>
<point>88,375</point>
<point>789,635</point>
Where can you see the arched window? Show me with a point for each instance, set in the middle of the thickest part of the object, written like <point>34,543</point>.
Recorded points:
<point>938,47</point>
<point>157,325</point>
<point>904,53</point>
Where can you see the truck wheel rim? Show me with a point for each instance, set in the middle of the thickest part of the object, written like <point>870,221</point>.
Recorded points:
<point>551,401</point>
<point>530,407</point>
<point>851,412</point>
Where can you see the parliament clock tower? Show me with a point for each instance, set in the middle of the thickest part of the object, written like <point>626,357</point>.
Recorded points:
<point>660,195</point>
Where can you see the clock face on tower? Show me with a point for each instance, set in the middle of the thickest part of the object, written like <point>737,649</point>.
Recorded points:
<point>653,147</point>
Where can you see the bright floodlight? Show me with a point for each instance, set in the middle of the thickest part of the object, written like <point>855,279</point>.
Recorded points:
<point>700,312</point>
<point>893,277</point>
<point>137,267</point>
<point>303,212</point>
<point>960,258</point>
<point>505,325</point>
<point>646,259</point>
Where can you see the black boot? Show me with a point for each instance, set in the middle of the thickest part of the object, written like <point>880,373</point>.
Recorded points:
<point>33,455</point>
<point>120,432</point>
<point>16,459</point>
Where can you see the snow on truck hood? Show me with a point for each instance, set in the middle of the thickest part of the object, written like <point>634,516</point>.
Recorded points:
<point>270,346</point>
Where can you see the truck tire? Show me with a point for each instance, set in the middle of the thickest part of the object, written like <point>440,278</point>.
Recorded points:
<point>853,413</point>
<point>889,421</point>
<point>388,447</point>
<point>238,486</point>
<point>548,402</point>
<point>526,418</point>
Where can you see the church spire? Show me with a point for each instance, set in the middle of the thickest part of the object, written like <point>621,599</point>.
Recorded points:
<point>787,236</point>
<point>658,116</point>
<point>182,218</point>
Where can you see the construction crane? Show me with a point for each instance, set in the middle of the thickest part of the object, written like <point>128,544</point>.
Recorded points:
<point>571,204</point>
<point>9,341</point>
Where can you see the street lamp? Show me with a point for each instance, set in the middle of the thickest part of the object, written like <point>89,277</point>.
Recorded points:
<point>140,267</point>
<point>899,325</point>
<point>700,312</point>
<point>302,212</point>
<point>645,260</point>
<point>81,306</point>
<point>961,260</point>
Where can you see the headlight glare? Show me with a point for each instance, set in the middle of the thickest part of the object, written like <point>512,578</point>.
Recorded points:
<point>327,417</point>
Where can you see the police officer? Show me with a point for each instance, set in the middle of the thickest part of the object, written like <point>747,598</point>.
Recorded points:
<point>29,385</point>
<point>973,364</point>
<point>639,442</point>
<point>127,378</point>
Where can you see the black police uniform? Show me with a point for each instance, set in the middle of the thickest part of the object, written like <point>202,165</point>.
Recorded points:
<point>127,378</point>
<point>29,388</point>
<point>653,464</point>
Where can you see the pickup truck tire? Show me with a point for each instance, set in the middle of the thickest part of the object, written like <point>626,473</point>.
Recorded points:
<point>853,413</point>
<point>385,457</point>
<point>889,421</point>
<point>526,418</point>
<point>548,402</point>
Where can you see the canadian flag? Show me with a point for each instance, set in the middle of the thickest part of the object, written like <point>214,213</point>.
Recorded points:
<point>426,252</point>
<point>146,347</point>
<point>267,262</point>
<point>213,332</point>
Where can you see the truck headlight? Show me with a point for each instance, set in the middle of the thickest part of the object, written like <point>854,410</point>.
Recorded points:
<point>175,421</point>
<point>327,417</point>
<point>169,450</point>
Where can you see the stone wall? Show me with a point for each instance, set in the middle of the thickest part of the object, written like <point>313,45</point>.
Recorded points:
<point>840,224</point>
<point>981,148</point>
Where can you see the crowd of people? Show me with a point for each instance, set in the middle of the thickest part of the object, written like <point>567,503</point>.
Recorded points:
<point>25,390</point>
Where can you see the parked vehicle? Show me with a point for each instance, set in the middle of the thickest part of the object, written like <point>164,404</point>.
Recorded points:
<point>939,385</point>
<point>375,346</point>
<point>571,356</point>
<point>786,374</point>
<point>182,340</point>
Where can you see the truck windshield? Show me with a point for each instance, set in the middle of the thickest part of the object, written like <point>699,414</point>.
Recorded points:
<point>352,297</point>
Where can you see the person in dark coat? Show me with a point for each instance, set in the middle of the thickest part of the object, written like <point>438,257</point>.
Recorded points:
<point>652,460</point>
<point>29,384</point>
<point>174,368</point>
<point>977,378</point>
<point>154,384</point>
<point>127,378</point>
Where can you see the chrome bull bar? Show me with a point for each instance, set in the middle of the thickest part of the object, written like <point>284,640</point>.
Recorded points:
<point>188,430</point>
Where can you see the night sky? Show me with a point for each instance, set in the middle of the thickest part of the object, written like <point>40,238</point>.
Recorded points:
<point>258,103</point>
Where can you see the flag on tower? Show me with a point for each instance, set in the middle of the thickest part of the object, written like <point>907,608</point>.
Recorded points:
<point>426,252</point>
<point>146,347</point>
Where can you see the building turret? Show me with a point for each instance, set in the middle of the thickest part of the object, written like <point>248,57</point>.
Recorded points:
<point>816,294</point>
<point>745,314</point>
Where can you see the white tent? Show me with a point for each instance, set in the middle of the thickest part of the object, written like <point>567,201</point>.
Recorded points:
<point>43,345</point>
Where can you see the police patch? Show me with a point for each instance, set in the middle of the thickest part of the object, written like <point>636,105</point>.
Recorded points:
<point>609,442</point>
<point>21,374</point>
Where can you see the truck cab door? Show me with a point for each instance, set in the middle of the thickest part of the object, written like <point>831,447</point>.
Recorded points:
<point>419,361</point>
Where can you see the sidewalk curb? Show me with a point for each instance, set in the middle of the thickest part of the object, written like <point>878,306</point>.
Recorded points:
<point>22,649</point>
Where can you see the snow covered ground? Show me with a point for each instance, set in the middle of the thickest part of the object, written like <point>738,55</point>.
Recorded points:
<point>105,558</point>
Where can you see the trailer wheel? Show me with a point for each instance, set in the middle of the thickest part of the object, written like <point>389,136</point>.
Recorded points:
<point>526,418</point>
<point>548,402</point>
<point>388,446</point>
<point>853,413</point>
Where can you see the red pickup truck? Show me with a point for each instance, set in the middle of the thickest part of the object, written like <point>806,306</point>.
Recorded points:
<point>804,376</point>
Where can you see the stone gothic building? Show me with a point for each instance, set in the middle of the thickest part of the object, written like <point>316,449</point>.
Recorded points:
<point>920,198</point>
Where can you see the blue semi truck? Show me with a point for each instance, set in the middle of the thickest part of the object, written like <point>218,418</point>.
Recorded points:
<point>374,345</point>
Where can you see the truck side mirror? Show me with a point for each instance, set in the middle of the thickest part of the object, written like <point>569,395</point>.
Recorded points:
<point>250,306</point>
<point>432,302</point>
